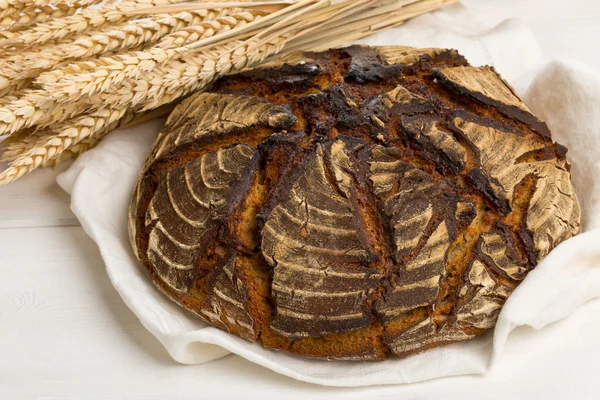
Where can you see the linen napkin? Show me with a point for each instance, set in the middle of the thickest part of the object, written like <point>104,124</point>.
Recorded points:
<point>565,94</point>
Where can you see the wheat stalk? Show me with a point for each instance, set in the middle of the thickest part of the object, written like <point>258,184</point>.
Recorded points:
<point>103,65</point>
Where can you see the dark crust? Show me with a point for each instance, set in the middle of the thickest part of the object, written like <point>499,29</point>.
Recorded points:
<point>482,184</point>
<point>335,97</point>
<point>290,77</point>
<point>367,66</point>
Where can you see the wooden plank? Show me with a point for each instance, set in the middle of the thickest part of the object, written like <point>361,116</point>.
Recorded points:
<point>35,200</point>
<point>65,333</point>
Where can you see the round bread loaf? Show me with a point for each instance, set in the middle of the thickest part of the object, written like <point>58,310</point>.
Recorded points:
<point>352,204</point>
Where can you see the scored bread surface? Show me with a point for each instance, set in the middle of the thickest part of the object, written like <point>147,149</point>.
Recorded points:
<point>352,204</point>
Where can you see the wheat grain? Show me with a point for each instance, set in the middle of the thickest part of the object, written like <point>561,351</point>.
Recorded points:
<point>15,86</point>
<point>92,77</point>
<point>25,17</point>
<point>107,12</point>
<point>35,108</point>
<point>11,68</point>
<point>7,4</point>
<point>17,144</point>
<point>11,5</point>
<point>34,3</point>
<point>76,150</point>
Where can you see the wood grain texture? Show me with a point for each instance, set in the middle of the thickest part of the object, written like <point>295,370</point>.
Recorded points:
<point>352,204</point>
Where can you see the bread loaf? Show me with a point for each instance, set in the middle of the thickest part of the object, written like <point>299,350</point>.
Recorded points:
<point>352,204</point>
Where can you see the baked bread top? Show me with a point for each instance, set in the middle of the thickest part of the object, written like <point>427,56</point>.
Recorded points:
<point>352,204</point>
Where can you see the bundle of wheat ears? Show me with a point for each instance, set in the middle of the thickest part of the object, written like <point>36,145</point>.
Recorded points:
<point>73,70</point>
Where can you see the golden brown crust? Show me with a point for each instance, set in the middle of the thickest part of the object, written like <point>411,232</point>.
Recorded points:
<point>352,204</point>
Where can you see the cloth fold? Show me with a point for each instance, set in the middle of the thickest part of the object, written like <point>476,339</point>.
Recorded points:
<point>565,94</point>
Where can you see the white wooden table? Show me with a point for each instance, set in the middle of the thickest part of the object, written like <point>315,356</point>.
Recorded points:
<point>65,333</point>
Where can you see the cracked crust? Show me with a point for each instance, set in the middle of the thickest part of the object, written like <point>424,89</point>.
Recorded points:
<point>352,204</point>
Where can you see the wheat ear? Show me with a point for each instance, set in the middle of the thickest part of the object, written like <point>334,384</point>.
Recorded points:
<point>88,18</point>
<point>51,146</point>
<point>16,18</point>
<point>131,118</point>
<point>59,138</point>
<point>92,77</point>
<point>182,76</point>
<point>119,37</point>
<point>34,108</point>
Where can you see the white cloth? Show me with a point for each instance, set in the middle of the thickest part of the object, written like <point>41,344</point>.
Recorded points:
<point>566,95</point>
